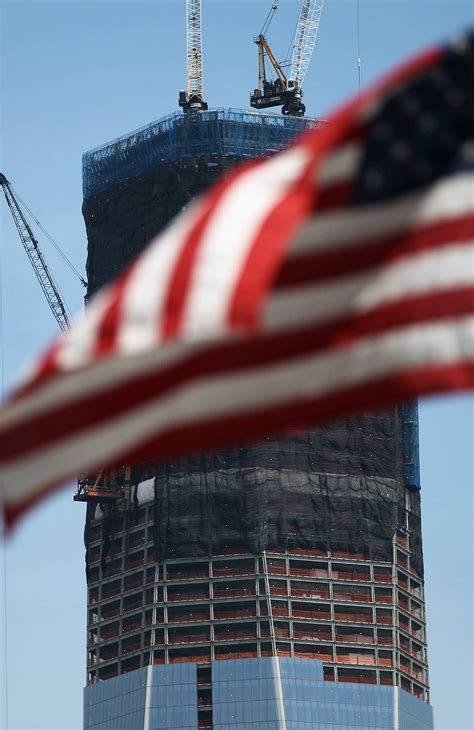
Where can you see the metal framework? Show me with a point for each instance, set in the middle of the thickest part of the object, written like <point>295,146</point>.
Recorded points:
<point>194,45</point>
<point>264,49</point>
<point>223,132</point>
<point>271,622</point>
<point>364,619</point>
<point>30,244</point>
<point>305,38</point>
<point>192,99</point>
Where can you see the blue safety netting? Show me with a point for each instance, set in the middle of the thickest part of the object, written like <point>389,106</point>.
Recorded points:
<point>411,459</point>
<point>223,132</point>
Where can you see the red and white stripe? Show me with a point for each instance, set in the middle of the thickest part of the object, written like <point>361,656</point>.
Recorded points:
<point>268,304</point>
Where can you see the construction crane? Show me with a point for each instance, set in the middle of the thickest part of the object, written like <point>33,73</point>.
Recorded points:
<point>287,90</point>
<point>192,99</point>
<point>30,244</point>
<point>110,486</point>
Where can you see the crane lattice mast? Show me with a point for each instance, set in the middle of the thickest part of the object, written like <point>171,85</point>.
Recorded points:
<point>30,244</point>
<point>194,36</point>
<point>193,98</point>
<point>305,38</point>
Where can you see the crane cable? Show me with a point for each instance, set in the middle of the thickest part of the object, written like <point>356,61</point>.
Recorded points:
<point>50,239</point>
<point>292,43</point>
<point>358,44</point>
<point>5,625</point>
<point>4,669</point>
<point>269,17</point>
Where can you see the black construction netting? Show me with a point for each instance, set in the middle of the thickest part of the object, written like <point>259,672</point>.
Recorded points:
<point>335,488</point>
<point>341,487</point>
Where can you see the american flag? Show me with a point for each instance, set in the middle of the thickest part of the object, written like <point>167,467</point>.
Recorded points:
<point>333,277</point>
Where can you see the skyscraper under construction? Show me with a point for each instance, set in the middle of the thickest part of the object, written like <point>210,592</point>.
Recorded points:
<point>296,559</point>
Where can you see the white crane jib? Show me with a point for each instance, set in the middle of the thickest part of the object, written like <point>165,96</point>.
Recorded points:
<point>305,39</point>
<point>192,98</point>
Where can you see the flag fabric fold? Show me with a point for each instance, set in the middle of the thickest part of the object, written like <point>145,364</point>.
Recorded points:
<point>334,276</point>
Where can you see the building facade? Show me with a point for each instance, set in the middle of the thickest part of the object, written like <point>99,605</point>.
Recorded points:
<point>296,548</point>
<point>249,694</point>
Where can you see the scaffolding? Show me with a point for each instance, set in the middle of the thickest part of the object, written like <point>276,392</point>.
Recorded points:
<point>222,132</point>
<point>411,458</point>
<point>105,486</point>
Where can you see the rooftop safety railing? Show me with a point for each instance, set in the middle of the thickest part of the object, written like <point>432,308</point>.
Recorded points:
<point>224,132</point>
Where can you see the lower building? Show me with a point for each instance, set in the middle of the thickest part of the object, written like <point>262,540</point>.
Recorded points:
<point>363,618</point>
<point>272,693</point>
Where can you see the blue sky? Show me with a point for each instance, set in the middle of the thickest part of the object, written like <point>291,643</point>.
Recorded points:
<point>77,74</point>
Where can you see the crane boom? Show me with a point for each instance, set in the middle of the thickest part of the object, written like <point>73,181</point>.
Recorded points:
<point>193,97</point>
<point>30,244</point>
<point>305,38</point>
<point>194,36</point>
<point>263,46</point>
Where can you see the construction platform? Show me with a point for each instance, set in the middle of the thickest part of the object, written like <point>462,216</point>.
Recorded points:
<point>222,132</point>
